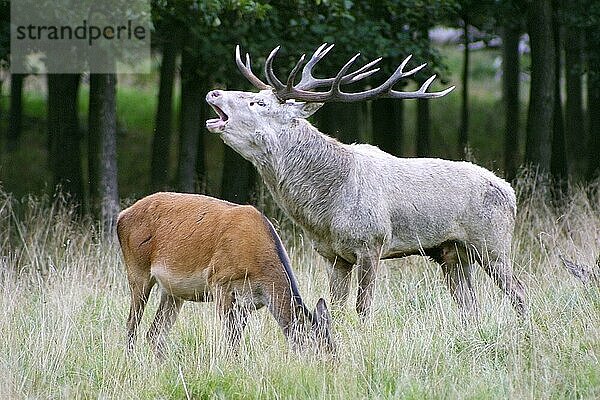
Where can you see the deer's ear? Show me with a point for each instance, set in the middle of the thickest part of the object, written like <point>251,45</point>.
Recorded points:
<point>303,110</point>
<point>322,315</point>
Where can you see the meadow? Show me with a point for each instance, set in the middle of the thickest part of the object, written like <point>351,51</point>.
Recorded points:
<point>64,297</point>
<point>64,301</point>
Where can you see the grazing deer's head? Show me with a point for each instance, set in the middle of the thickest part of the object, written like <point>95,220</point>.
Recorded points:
<point>312,331</point>
<point>250,122</point>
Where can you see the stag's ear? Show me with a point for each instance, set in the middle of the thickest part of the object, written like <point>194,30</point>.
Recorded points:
<point>303,110</point>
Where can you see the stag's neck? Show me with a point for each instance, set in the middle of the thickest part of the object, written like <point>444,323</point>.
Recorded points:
<point>305,174</point>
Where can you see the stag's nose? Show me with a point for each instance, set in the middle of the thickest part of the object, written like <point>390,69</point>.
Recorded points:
<point>213,94</point>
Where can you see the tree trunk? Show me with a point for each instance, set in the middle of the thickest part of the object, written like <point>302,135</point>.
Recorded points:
<point>423,128</point>
<point>103,159</point>
<point>94,143</point>
<point>574,120</point>
<point>192,97</point>
<point>510,87</point>
<point>239,177</point>
<point>463,134</point>
<point>15,117</point>
<point>161,143</point>
<point>63,130</point>
<point>541,98</point>
<point>558,167</point>
<point>593,100</point>
<point>201,155</point>
<point>345,121</point>
<point>387,125</point>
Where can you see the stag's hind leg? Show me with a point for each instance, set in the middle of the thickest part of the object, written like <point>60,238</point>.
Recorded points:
<point>456,267</point>
<point>499,267</point>
<point>166,315</point>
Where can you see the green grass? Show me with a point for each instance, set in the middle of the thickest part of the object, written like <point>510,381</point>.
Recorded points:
<point>64,301</point>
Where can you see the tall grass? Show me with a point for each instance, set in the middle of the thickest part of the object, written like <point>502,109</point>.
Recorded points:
<point>64,300</point>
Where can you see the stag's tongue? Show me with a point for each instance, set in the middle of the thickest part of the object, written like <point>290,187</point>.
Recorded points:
<point>217,124</point>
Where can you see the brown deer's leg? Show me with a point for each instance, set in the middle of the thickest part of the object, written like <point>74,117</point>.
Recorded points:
<point>166,315</point>
<point>234,316</point>
<point>367,264</point>
<point>140,291</point>
<point>234,322</point>
<point>340,274</point>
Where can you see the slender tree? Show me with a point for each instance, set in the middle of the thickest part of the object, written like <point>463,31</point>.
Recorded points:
<point>541,98</point>
<point>192,97</point>
<point>239,178</point>
<point>168,37</point>
<point>463,134</point>
<point>345,121</point>
<point>161,143</point>
<point>388,131</point>
<point>574,119</point>
<point>423,128</point>
<point>64,135</point>
<point>510,90</point>
<point>593,100</point>
<point>103,155</point>
<point>16,111</point>
<point>558,163</point>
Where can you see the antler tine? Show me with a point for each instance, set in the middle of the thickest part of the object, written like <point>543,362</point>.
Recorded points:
<point>335,86</point>
<point>271,78</point>
<point>292,76</point>
<point>246,70</point>
<point>359,74</point>
<point>421,93</point>
<point>309,82</point>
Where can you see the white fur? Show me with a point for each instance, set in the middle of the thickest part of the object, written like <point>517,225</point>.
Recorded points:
<point>355,201</point>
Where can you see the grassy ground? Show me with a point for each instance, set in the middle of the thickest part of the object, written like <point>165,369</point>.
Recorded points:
<point>64,300</point>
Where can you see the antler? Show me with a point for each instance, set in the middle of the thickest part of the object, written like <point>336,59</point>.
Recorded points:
<point>301,91</point>
<point>246,70</point>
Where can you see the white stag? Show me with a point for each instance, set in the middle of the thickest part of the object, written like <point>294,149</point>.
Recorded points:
<point>359,204</point>
<point>198,248</point>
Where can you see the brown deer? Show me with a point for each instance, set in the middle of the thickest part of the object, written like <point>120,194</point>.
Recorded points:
<point>199,248</point>
<point>359,204</point>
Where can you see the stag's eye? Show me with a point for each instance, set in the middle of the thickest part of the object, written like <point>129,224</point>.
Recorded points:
<point>260,103</point>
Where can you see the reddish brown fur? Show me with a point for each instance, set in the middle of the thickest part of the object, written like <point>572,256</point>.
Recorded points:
<point>199,248</point>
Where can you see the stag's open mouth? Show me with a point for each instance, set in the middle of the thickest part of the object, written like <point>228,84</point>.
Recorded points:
<point>216,125</point>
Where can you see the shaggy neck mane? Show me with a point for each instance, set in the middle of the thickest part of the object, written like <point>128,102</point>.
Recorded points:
<point>305,171</point>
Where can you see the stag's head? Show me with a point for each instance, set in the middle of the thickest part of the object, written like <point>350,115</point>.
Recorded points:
<point>249,122</point>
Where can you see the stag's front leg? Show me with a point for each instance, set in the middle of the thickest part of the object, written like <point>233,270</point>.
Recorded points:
<point>367,264</point>
<point>340,274</point>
